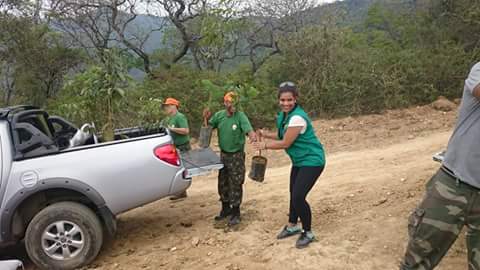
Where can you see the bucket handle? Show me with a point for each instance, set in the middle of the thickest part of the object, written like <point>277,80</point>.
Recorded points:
<point>259,150</point>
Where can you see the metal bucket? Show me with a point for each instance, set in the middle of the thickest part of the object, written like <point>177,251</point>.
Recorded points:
<point>258,168</point>
<point>205,136</point>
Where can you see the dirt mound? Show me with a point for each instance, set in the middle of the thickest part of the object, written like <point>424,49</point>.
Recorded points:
<point>443,104</point>
<point>372,131</point>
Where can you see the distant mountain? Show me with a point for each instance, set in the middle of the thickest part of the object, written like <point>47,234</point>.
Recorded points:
<point>140,27</point>
<point>143,24</point>
<point>354,12</point>
<point>345,12</point>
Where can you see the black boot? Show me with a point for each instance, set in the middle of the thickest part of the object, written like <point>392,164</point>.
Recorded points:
<point>235,218</point>
<point>225,212</point>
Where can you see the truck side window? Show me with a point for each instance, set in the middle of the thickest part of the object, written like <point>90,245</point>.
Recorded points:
<point>34,135</point>
<point>39,122</point>
<point>24,136</point>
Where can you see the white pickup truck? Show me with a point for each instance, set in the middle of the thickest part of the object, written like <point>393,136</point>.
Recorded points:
<point>63,200</point>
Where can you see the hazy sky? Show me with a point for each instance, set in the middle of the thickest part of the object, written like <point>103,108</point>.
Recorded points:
<point>143,8</point>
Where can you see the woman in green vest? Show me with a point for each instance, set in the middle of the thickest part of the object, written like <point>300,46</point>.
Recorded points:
<point>295,134</point>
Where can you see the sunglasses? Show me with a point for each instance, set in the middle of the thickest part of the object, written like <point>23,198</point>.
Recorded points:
<point>287,84</point>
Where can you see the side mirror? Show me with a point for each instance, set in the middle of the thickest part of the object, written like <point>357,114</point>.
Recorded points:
<point>34,138</point>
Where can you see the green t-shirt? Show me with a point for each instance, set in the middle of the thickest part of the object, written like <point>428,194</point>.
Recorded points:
<point>231,130</point>
<point>178,121</point>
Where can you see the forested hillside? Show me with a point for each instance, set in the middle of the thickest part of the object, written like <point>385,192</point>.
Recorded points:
<point>347,57</point>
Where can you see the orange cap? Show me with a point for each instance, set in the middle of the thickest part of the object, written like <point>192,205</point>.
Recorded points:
<point>171,101</point>
<point>230,96</point>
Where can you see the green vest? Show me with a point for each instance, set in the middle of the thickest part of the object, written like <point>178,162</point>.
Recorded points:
<point>306,150</point>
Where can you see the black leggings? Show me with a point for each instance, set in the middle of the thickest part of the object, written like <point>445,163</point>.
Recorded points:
<point>302,180</point>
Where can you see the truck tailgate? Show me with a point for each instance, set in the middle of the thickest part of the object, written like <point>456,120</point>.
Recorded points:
<point>200,161</point>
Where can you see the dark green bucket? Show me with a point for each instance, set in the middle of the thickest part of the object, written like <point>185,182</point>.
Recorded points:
<point>205,136</point>
<point>258,168</point>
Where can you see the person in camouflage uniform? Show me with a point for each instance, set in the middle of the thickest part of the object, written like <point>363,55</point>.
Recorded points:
<point>177,123</point>
<point>452,198</point>
<point>232,126</point>
<point>230,179</point>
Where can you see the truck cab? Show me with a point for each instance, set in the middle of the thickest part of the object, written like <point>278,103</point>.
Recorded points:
<point>62,200</point>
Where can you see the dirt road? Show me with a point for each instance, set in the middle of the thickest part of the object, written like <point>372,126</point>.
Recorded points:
<point>376,170</point>
<point>360,207</point>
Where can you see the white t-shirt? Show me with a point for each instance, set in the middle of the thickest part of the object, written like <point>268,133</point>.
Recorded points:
<point>298,121</point>
<point>473,79</point>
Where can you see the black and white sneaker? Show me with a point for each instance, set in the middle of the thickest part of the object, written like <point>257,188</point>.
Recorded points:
<point>289,231</point>
<point>305,239</point>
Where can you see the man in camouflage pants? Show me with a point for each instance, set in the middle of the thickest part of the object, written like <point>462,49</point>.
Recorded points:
<point>452,198</point>
<point>232,126</point>
<point>230,181</point>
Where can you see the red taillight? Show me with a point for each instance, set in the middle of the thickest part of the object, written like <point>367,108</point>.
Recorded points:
<point>168,153</point>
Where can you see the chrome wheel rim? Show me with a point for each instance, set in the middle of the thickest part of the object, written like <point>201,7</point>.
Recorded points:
<point>63,240</point>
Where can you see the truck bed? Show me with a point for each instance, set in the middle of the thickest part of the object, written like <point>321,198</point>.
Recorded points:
<point>201,161</point>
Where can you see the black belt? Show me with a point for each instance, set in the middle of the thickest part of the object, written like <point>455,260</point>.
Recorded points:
<point>180,145</point>
<point>231,153</point>
<point>452,174</point>
<point>449,172</point>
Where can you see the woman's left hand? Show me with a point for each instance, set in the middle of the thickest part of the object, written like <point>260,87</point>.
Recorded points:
<point>259,146</point>
<point>252,136</point>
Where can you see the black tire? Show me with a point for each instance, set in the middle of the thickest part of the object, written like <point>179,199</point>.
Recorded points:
<point>65,213</point>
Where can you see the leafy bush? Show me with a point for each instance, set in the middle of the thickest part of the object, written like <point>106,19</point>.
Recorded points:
<point>97,95</point>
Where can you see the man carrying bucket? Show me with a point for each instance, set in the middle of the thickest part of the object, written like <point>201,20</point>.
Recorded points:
<point>232,126</point>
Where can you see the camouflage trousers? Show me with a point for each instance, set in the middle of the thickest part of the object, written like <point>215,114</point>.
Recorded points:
<point>433,227</point>
<point>231,178</point>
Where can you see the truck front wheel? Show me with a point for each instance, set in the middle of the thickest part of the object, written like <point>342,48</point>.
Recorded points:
<point>64,235</point>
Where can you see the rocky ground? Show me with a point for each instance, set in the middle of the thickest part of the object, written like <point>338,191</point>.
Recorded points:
<point>377,166</point>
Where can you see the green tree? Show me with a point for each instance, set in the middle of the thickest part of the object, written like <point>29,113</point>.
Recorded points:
<point>36,58</point>
<point>98,94</point>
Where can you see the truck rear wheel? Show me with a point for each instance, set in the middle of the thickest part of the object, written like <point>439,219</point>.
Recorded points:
<point>64,235</point>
